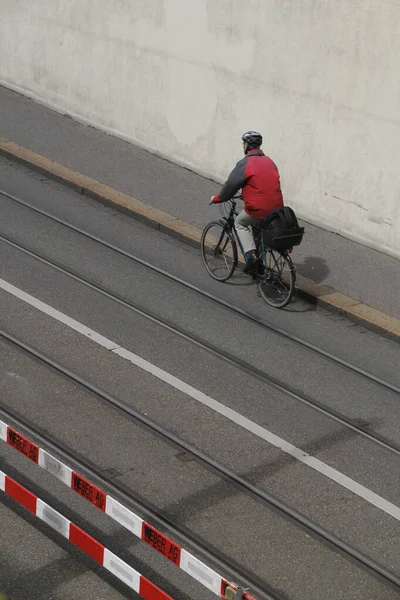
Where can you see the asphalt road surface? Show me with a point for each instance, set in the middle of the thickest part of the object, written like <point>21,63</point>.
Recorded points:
<point>304,434</point>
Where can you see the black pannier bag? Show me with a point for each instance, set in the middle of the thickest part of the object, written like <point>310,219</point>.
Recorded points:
<point>281,230</point>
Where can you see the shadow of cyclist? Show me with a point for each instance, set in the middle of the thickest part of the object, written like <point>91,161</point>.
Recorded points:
<point>314,267</point>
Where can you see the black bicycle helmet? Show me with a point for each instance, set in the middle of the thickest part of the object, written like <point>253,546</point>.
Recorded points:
<point>253,139</point>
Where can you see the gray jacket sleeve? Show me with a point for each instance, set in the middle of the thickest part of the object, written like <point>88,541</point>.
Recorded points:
<point>235,181</point>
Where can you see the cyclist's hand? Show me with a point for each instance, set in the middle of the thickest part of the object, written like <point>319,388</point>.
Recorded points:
<point>214,200</point>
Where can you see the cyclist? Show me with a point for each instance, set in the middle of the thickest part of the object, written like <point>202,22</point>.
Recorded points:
<point>258,177</point>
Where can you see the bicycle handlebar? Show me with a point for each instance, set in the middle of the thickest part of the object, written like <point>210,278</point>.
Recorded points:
<point>239,197</point>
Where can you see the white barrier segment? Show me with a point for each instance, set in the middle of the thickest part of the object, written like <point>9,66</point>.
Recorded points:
<point>53,518</point>
<point>55,467</point>
<point>3,431</point>
<point>124,516</point>
<point>122,570</point>
<point>199,571</point>
<point>2,481</point>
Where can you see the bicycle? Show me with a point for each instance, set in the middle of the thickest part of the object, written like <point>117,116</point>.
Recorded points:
<point>276,273</point>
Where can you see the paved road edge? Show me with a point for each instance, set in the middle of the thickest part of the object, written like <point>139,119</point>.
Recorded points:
<point>306,288</point>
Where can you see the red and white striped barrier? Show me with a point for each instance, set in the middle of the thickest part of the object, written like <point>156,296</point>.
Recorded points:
<point>82,540</point>
<point>125,517</point>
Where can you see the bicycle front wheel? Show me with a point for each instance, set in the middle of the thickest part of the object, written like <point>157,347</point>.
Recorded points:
<point>218,251</point>
<point>276,284</point>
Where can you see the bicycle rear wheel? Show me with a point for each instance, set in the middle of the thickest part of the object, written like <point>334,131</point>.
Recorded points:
<point>276,284</point>
<point>218,251</point>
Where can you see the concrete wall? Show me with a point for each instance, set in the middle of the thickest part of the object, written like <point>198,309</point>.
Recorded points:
<point>184,78</point>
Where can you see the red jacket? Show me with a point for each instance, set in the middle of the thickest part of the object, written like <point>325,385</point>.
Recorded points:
<point>258,177</point>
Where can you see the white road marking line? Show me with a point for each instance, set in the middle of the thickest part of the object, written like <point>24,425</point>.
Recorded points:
<point>229,413</point>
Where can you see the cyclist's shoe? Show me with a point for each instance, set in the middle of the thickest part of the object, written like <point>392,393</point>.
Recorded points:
<point>259,270</point>
<point>251,262</point>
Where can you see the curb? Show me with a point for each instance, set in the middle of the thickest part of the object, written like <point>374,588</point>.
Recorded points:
<point>307,288</point>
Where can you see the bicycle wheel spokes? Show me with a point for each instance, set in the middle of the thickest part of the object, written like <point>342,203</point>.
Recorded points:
<point>276,285</point>
<point>218,250</point>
